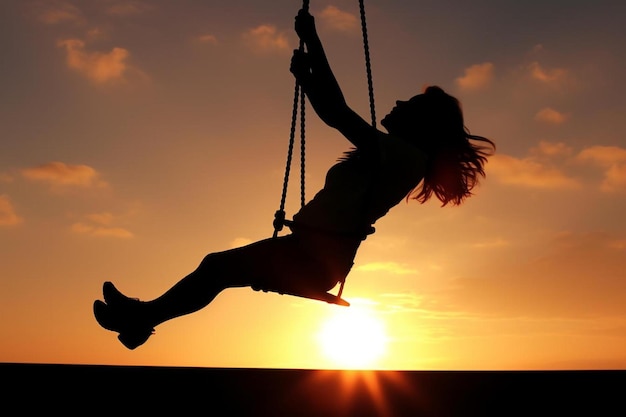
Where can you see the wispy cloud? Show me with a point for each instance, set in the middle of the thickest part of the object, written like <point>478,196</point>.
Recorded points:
<point>101,231</point>
<point>56,12</point>
<point>59,174</point>
<point>545,167</point>
<point>339,20</point>
<point>409,302</point>
<point>95,34</point>
<point>101,225</point>
<point>476,77</point>
<point>549,76</point>
<point>99,67</point>
<point>604,155</point>
<point>8,215</point>
<point>240,241</point>
<point>392,267</point>
<point>266,38</point>
<point>614,179</point>
<point>101,218</point>
<point>613,160</point>
<point>528,172</point>
<point>397,302</point>
<point>551,116</point>
<point>551,150</point>
<point>578,275</point>
<point>207,39</point>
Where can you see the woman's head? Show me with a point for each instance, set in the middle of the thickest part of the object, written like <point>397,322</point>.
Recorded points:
<point>433,121</point>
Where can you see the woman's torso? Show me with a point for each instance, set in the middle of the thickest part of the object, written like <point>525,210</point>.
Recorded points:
<point>362,188</point>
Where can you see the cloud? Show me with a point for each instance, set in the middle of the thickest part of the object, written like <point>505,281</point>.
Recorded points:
<point>476,77</point>
<point>95,34</point>
<point>551,149</point>
<point>392,267</point>
<point>59,174</point>
<point>541,168</point>
<point>578,275</point>
<point>100,225</point>
<point>101,218</point>
<point>551,76</point>
<point>528,172</point>
<point>60,12</point>
<point>613,160</point>
<point>614,179</point>
<point>101,231</point>
<point>339,20</point>
<point>240,241</point>
<point>266,38</point>
<point>97,66</point>
<point>402,302</point>
<point>8,215</point>
<point>551,116</point>
<point>207,38</point>
<point>606,156</point>
<point>426,305</point>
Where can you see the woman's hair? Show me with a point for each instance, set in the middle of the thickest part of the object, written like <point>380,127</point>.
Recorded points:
<point>455,164</point>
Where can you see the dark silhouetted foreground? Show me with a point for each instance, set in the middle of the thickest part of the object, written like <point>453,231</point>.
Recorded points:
<point>425,152</point>
<point>38,389</point>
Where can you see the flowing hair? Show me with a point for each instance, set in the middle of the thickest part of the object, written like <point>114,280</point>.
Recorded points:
<point>456,165</point>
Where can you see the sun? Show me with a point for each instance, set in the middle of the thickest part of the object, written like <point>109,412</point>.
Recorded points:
<point>353,338</point>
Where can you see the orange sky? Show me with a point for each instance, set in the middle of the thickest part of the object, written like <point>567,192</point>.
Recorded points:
<point>137,136</point>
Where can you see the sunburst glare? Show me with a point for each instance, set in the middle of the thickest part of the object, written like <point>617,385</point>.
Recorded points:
<point>353,338</point>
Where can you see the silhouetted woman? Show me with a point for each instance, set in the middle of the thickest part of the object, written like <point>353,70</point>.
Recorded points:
<point>426,151</point>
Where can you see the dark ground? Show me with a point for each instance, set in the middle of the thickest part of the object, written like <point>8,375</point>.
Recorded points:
<point>47,389</point>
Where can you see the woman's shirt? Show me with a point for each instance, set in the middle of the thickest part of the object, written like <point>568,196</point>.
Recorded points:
<point>360,190</point>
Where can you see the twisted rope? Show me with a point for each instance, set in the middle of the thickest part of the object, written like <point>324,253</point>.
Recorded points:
<point>368,64</point>
<point>298,96</point>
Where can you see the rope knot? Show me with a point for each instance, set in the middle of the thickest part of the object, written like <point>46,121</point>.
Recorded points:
<point>279,220</point>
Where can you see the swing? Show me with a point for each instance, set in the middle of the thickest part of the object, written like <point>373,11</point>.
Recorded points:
<point>299,98</point>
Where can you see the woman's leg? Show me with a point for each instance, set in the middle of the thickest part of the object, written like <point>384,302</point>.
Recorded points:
<point>288,264</point>
<point>271,264</point>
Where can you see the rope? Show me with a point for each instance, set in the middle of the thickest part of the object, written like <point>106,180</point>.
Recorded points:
<point>302,148</point>
<point>305,6</point>
<point>368,64</point>
<point>299,97</point>
<point>279,216</point>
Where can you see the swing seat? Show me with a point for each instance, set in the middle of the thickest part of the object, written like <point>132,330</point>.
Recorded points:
<point>318,295</point>
<point>311,294</point>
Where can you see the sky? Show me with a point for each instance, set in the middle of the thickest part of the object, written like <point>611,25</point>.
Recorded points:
<point>138,136</point>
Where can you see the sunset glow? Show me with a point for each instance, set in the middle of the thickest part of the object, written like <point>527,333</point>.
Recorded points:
<point>139,136</point>
<point>353,338</point>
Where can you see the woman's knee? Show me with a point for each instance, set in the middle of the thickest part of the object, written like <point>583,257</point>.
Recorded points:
<point>208,261</point>
<point>213,265</point>
<point>233,268</point>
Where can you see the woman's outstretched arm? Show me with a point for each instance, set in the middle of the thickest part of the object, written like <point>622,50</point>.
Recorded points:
<point>313,73</point>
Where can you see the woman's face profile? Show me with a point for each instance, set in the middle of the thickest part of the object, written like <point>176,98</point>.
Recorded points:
<point>403,115</point>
